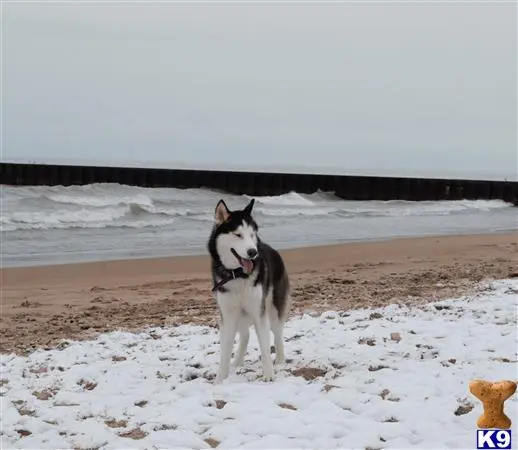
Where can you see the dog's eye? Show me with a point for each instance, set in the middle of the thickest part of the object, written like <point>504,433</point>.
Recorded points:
<point>239,235</point>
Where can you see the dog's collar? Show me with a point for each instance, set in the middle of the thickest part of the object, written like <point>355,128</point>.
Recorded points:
<point>228,275</point>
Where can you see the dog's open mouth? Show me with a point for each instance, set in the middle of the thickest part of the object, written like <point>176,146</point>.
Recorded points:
<point>246,264</point>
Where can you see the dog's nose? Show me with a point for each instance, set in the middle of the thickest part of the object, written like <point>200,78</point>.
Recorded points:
<point>251,252</point>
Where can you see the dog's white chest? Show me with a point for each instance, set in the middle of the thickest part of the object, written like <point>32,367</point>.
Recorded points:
<point>241,294</point>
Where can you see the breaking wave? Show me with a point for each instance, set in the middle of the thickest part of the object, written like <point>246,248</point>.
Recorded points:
<point>289,199</point>
<point>120,206</point>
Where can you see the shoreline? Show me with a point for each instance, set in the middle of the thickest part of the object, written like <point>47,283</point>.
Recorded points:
<point>203,253</point>
<point>284,251</point>
<point>42,305</point>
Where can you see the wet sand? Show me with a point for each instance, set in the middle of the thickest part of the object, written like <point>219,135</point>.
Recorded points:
<point>43,305</point>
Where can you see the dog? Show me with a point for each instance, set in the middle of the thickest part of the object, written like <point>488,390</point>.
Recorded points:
<point>251,287</point>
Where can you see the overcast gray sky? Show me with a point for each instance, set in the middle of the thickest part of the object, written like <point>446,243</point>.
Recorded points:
<point>412,89</point>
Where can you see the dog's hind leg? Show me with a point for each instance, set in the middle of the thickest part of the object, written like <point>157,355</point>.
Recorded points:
<point>244,337</point>
<point>263,336</point>
<point>277,327</point>
<point>228,328</point>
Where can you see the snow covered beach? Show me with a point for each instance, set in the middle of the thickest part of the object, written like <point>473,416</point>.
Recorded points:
<point>392,377</point>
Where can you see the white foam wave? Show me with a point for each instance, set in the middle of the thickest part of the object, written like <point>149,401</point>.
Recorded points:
<point>289,199</point>
<point>64,216</point>
<point>82,218</point>
<point>381,208</point>
<point>202,217</point>
<point>106,205</point>
<point>102,201</point>
<point>5,227</point>
<point>139,208</point>
<point>405,208</point>
<point>298,212</point>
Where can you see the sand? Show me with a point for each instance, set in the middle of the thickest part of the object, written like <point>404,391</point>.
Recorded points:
<point>41,306</point>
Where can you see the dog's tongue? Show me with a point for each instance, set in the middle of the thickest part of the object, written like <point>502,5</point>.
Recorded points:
<point>248,265</point>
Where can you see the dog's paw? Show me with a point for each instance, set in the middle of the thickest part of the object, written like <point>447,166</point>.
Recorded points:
<point>238,363</point>
<point>220,378</point>
<point>267,378</point>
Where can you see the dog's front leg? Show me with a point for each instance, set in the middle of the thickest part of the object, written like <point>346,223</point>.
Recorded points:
<point>227,334</point>
<point>263,336</point>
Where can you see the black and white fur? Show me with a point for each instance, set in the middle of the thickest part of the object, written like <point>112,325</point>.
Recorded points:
<point>253,288</point>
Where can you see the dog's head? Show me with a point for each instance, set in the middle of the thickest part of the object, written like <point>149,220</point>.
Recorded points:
<point>235,237</point>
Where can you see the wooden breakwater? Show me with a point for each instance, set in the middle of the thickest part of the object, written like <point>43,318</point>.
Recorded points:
<point>260,183</point>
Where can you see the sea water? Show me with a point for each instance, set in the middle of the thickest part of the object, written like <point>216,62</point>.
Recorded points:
<point>57,224</point>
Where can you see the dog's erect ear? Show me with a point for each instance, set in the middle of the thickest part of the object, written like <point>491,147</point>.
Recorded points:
<point>222,213</point>
<point>248,208</point>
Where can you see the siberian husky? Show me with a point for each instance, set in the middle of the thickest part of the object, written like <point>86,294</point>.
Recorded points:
<point>251,287</point>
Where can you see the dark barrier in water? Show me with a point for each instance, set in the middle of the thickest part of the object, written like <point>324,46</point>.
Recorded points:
<point>257,183</point>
